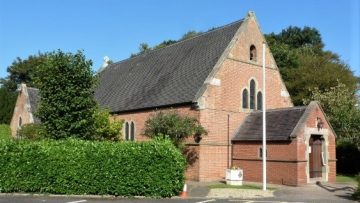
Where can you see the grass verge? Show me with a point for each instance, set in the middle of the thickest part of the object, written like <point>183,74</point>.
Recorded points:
<point>245,186</point>
<point>340,178</point>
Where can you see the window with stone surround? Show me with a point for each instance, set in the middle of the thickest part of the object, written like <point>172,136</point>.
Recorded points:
<point>259,100</point>
<point>252,94</point>
<point>129,131</point>
<point>261,152</point>
<point>253,53</point>
<point>245,98</point>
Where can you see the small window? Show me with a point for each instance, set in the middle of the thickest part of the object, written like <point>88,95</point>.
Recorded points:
<point>132,131</point>
<point>126,131</point>
<point>129,131</point>
<point>261,152</point>
<point>252,94</point>
<point>259,101</point>
<point>252,53</point>
<point>20,121</point>
<point>245,96</point>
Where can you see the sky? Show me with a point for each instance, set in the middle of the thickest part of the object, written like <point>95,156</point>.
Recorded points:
<point>115,28</point>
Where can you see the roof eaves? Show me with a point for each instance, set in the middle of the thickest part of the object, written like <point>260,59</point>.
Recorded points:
<point>153,107</point>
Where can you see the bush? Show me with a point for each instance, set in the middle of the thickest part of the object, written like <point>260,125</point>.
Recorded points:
<point>104,128</point>
<point>347,153</point>
<point>153,168</point>
<point>174,126</point>
<point>5,131</point>
<point>31,131</point>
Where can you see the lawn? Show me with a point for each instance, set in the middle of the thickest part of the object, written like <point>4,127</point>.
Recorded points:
<point>5,131</point>
<point>345,178</point>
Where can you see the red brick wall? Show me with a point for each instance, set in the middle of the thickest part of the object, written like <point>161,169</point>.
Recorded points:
<point>286,161</point>
<point>282,164</point>
<point>219,102</point>
<point>139,118</point>
<point>192,154</point>
<point>22,107</point>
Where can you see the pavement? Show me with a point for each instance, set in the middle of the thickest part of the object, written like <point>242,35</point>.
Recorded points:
<point>201,193</point>
<point>320,192</point>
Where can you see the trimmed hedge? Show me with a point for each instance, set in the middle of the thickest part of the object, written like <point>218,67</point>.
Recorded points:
<point>153,168</point>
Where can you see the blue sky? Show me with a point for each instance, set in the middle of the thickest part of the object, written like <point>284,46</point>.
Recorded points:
<point>115,28</point>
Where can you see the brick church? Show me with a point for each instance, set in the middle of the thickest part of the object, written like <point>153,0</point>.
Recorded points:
<point>216,77</point>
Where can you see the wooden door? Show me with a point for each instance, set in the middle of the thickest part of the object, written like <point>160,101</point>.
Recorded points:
<point>315,158</point>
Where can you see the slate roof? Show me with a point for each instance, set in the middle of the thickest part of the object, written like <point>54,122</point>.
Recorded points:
<point>279,126</point>
<point>34,99</point>
<point>168,76</point>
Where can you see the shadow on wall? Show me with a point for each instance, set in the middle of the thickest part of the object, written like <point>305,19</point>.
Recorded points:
<point>191,155</point>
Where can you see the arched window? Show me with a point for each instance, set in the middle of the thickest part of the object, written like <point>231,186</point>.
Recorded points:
<point>252,94</point>
<point>252,53</point>
<point>132,131</point>
<point>127,131</point>
<point>259,101</point>
<point>245,96</point>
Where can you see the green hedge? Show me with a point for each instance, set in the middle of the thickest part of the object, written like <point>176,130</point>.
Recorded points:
<point>153,168</point>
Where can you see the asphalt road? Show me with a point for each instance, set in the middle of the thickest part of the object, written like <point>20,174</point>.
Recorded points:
<point>31,199</point>
<point>321,193</point>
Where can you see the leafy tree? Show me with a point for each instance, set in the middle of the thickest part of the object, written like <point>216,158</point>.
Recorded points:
<point>66,84</point>
<point>189,34</point>
<point>23,71</point>
<point>144,47</point>
<point>339,104</point>
<point>171,124</point>
<point>304,64</point>
<point>7,105</point>
<point>297,37</point>
<point>20,71</point>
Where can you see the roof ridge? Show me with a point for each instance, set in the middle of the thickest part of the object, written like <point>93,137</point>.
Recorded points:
<point>178,42</point>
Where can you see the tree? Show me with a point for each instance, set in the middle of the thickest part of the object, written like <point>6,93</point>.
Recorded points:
<point>20,71</point>
<point>7,105</point>
<point>23,71</point>
<point>144,47</point>
<point>171,124</point>
<point>66,84</point>
<point>339,104</point>
<point>189,34</point>
<point>304,64</point>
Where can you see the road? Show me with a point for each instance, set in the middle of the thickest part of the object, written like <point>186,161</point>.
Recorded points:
<point>46,199</point>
